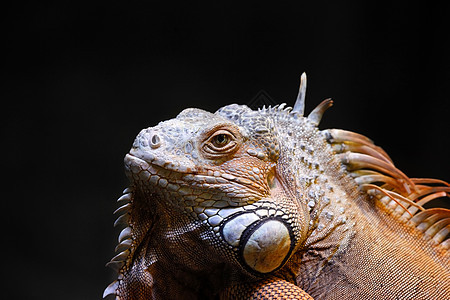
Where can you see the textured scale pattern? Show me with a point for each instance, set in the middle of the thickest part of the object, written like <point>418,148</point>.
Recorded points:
<point>244,204</point>
<point>269,288</point>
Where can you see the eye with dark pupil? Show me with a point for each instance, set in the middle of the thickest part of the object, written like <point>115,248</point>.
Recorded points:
<point>221,143</point>
<point>221,139</point>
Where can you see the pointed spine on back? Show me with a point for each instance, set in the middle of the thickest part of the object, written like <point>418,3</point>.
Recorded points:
<point>399,195</point>
<point>316,115</point>
<point>299,105</point>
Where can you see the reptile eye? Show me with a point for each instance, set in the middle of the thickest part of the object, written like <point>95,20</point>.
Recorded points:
<point>220,140</point>
<point>220,143</point>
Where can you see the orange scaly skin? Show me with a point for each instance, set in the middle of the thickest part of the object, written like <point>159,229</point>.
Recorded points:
<point>246,204</point>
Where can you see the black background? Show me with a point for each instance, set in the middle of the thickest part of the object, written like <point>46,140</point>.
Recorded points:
<point>81,80</point>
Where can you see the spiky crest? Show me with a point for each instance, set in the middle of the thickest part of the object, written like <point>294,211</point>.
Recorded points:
<point>396,193</point>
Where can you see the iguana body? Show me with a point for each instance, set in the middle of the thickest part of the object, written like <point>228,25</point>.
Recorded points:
<point>246,204</point>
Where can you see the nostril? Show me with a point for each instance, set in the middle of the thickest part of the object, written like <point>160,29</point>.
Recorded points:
<point>155,141</point>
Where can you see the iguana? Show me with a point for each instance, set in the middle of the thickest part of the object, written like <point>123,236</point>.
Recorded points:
<point>245,204</point>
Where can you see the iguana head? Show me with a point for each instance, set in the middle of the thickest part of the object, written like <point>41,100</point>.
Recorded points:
<point>200,159</point>
<point>220,170</point>
<point>238,191</point>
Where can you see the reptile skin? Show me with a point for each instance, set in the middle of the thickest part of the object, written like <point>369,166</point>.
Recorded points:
<point>244,204</point>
